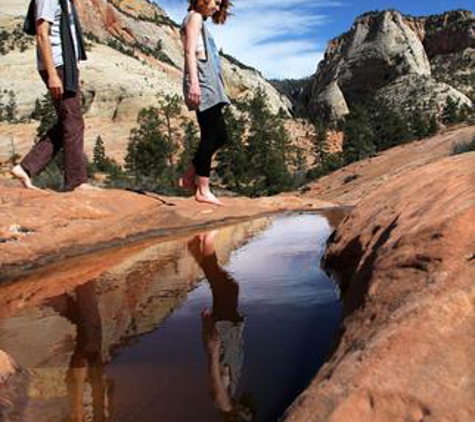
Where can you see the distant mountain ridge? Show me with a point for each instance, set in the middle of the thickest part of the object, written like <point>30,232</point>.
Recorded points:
<point>435,54</point>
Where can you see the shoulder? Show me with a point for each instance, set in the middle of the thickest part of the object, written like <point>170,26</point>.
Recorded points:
<point>193,20</point>
<point>46,9</point>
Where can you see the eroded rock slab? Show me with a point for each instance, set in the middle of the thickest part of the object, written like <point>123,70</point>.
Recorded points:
<point>405,259</point>
<point>47,226</point>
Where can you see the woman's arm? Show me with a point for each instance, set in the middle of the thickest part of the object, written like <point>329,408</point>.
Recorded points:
<point>192,31</point>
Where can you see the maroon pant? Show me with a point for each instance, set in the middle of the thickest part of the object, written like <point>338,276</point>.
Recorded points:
<point>68,134</point>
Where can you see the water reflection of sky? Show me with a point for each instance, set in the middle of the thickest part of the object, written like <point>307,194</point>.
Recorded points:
<point>291,310</point>
<point>130,344</point>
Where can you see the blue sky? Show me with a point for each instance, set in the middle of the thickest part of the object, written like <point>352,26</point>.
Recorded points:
<point>287,38</point>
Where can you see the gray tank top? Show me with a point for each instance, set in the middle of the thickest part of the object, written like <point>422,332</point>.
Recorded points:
<point>209,75</point>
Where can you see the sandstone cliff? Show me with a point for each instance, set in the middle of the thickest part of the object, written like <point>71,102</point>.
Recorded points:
<point>404,261</point>
<point>388,54</point>
<point>135,55</point>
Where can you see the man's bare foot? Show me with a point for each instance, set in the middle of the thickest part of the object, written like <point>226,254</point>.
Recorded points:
<point>208,198</point>
<point>19,173</point>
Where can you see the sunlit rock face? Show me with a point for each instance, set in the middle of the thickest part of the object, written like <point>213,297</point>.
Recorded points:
<point>135,54</point>
<point>404,259</point>
<point>387,48</point>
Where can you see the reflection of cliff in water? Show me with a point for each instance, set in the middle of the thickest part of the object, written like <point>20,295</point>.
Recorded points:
<point>66,339</point>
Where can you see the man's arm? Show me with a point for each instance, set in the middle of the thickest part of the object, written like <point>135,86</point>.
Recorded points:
<point>45,17</point>
<point>42,38</point>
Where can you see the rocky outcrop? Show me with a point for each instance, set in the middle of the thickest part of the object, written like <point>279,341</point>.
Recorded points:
<point>404,260</point>
<point>41,227</point>
<point>447,33</point>
<point>449,41</point>
<point>388,49</point>
<point>418,92</point>
<point>133,38</point>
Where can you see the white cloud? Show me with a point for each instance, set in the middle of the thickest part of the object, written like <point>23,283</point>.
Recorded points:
<point>277,38</point>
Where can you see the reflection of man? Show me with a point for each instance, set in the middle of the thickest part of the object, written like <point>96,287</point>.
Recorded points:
<point>60,47</point>
<point>86,372</point>
<point>223,327</point>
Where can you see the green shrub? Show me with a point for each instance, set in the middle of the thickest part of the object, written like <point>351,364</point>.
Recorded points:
<point>463,146</point>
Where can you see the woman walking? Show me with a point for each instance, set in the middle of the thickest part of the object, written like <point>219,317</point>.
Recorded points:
<point>204,91</point>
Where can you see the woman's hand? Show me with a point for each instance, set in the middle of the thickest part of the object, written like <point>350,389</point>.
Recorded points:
<point>194,95</point>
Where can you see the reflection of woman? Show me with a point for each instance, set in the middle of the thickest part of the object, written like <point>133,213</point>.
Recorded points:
<point>223,327</point>
<point>204,91</point>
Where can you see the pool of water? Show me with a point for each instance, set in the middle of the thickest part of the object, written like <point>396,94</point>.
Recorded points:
<point>229,324</point>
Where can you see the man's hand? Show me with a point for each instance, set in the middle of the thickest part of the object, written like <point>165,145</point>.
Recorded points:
<point>55,86</point>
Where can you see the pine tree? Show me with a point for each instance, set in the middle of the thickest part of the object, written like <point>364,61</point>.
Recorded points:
<point>170,107</point>
<point>433,125</point>
<point>2,107</point>
<point>320,149</point>
<point>390,126</point>
<point>11,108</point>
<point>358,141</point>
<point>190,144</point>
<point>419,124</point>
<point>99,154</point>
<point>268,148</point>
<point>450,111</point>
<point>149,149</point>
<point>46,114</point>
<point>232,158</point>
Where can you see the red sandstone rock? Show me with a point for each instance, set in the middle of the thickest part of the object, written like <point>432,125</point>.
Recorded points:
<point>405,258</point>
<point>35,225</point>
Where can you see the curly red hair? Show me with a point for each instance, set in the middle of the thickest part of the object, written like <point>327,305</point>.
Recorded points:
<point>219,17</point>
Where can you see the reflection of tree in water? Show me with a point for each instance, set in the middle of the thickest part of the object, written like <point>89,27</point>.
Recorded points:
<point>222,330</point>
<point>86,381</point>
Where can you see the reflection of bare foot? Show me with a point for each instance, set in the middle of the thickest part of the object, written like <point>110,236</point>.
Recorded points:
<point>208,198</point>
<point>207,242</point>
<point>19,173</point>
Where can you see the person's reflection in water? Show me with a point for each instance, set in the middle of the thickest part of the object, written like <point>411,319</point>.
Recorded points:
<point>222,330</point>
<point>85,378</point>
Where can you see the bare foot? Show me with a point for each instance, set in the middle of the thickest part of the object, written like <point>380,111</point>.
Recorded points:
<point>19,173</point>
<point>208,198</point>
<point>207,242</point>
<point>187,183</point>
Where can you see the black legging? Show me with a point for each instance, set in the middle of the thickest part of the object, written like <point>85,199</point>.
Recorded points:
<point>213,136</point>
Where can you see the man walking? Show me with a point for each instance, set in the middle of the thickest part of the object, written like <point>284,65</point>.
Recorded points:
<point>60,47</point>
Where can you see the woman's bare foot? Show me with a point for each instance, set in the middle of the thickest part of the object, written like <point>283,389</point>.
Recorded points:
<point>207,242</point>
<point>187,181</point>
<point>203,192</point>
<point>19,173</point>
<point>208,198</point>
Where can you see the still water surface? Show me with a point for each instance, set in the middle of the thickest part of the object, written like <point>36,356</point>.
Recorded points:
<point>226,325</point>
